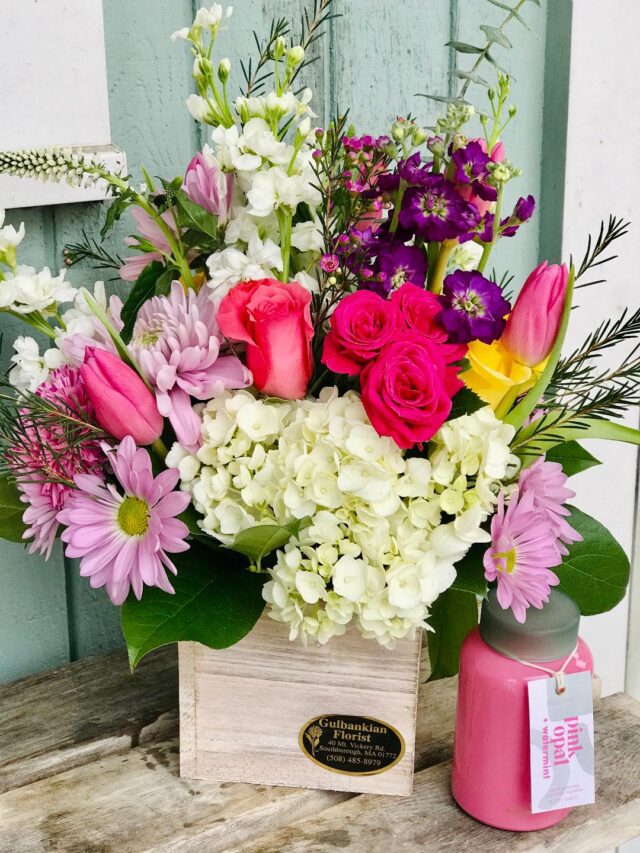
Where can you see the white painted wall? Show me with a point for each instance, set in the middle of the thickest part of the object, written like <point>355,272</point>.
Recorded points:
<point>53,90</point>
<point>602,177</point>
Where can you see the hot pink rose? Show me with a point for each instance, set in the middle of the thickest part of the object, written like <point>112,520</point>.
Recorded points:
<point>419,308</point>
<point>274,320</point>
<point>362,324</point>
<point>407,389</point>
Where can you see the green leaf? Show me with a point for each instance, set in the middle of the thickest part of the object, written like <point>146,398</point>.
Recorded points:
<point>439,99</point>
<point>470,572</point>
<point>215,603</point>
<point>465,402</point>
<point>596,571</point>
<point>115,211</point>
<point>164,281</point>
<point>143,289</point>
<point>191,215</point>
<point>11,508</point>
<point>256,542</point>
<point>495,36</point>
<point>490,58</point>
<point>573,457</point>
<point>453,614</point>
<point>464,47</point>
<point>501,5</point>
<point>473,78</point>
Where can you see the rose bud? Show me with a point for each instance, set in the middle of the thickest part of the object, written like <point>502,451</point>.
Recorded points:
<point>122,402</point>
<point>533,325</point>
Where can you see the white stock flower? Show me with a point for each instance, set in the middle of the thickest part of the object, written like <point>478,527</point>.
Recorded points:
<point>26,290</point>
<point>275,188</point>
<point>198,107</point>
<point>10,239</point>
<point>231,266</point>
<point>29,370</point>
<point>307,237</point>
<point>212,17</point>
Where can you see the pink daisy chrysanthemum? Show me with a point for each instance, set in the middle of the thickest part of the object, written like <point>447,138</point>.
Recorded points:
<point>45,461</point>
<point>123,539</point>
<point>547,483</point>
<point>522,553</point>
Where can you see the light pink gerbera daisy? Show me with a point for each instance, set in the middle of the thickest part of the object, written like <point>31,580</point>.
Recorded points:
<point>123,539</point>
<point>177,343</point>
<point>45,461</point>
<point>547,483</point>
<point>522,553</point>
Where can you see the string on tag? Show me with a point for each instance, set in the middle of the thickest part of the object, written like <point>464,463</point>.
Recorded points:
<point>557,674</point>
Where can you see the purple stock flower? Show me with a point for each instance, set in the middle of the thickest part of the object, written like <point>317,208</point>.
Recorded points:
<point>473,308</point>
<point>470,163</point>
<point>398,264</point>
<point>522,212</point>
<point>436,212</point>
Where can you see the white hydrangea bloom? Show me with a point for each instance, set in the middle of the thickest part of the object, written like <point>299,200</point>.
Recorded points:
<point>26,290</point>
<point>375,552</point>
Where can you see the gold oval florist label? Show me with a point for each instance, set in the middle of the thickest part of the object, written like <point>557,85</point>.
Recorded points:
<point>357,746</point>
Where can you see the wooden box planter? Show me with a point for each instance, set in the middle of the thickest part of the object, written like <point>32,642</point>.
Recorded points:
<point>268,711</point>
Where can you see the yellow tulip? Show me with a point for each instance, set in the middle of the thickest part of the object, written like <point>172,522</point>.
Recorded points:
<point>495,374</point>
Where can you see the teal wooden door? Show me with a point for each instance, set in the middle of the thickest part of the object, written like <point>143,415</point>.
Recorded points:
<point>373,60</point>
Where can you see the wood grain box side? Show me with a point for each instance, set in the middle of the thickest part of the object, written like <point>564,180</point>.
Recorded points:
<point>242,709</point>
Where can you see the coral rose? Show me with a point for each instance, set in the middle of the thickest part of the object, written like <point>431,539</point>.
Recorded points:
<point>274,320</point>
<point>420,308</point>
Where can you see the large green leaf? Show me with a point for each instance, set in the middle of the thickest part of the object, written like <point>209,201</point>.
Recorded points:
<point>11,508</point>
<point>216,602</point>
<point>573,457</point>
<point>470,572</point>
<point>596,571</point>
<point>452,616</point>
<point>256,542</point>
<point>465,402</point>
<point>191,215</point>
<point>143,289</point>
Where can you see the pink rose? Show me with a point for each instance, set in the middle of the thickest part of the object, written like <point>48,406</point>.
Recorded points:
<point>419,308</point>
<point>407,389</point>
<point>274,320</point>
<point>362,324</point>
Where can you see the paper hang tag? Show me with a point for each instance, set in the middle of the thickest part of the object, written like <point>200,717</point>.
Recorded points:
<point>561,743</point>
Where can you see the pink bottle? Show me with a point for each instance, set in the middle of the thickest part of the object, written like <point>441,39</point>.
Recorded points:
<point>490,778</point>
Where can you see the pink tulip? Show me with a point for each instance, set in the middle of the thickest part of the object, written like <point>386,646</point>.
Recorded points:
<point>532,328</point>
<point>207,185</point>
<point>122,402</point>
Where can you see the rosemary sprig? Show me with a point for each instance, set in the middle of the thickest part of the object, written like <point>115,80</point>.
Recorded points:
<point>615,229</point>
<point>90,250</point>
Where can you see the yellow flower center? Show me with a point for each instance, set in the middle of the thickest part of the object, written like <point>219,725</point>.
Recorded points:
<point>133,516</point>
<point>508,558</point>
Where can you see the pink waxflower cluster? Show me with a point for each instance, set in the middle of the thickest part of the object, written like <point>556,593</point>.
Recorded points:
<point>407,370</point>
<point>529,538</point>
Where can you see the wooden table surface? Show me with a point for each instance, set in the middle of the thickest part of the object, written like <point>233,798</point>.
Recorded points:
<point>89,764</point>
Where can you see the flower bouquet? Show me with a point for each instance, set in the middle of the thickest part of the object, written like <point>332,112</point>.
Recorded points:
<point>314,399</point>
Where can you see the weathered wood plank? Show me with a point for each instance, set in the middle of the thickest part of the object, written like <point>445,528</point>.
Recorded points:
<point>75,714</point>
<point>431,820</point>
<point>128,785</point>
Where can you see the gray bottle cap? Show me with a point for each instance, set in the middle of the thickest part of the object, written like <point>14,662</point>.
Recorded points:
<point>547,634</point>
